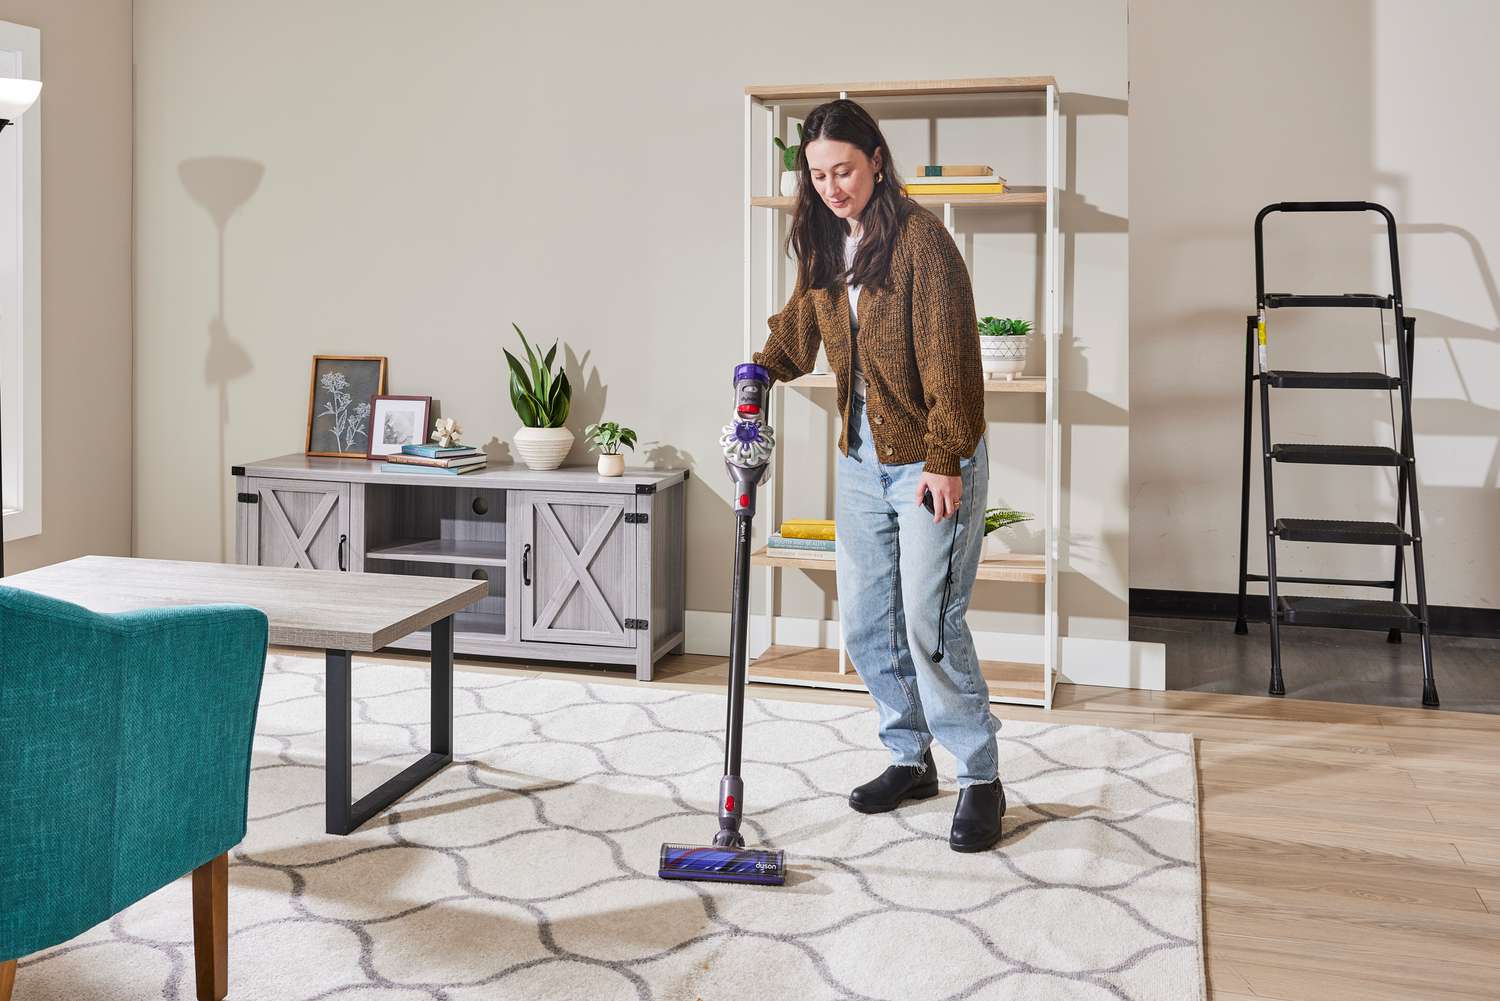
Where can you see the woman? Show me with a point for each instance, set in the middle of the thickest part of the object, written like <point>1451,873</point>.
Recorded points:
<point>881,285</point>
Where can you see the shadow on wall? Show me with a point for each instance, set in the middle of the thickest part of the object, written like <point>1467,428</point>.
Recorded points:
<point>221,184</point>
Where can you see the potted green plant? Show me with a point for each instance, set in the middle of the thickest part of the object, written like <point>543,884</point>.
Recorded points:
<point>1002,346</point>
<point>996,518</point>
<point>541,398</point>
<point>789,161</point>
<point>607,439</point>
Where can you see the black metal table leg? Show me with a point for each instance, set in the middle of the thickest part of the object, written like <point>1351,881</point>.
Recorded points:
<point>344,816</point>
<point>442,687</point>
<point>339,767</point>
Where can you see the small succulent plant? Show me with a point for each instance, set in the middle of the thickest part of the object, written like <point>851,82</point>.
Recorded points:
<point>789,153</point>
<point>991,326</point>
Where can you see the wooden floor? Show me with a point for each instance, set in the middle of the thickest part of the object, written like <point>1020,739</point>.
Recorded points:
<point>1349,852</point>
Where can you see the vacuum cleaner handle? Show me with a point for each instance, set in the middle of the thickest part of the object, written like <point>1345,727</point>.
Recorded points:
<point>747,442</point>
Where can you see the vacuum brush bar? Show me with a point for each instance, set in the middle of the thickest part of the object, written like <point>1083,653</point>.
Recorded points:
<point>722,865</point>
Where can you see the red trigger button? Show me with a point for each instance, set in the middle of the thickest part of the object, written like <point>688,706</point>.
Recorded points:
<point>729,803</point>
<point>744,500</point>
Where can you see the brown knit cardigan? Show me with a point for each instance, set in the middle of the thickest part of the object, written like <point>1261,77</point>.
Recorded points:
<point>918,347</point>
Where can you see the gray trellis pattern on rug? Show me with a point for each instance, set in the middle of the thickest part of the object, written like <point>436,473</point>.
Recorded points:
<point>527,869</point>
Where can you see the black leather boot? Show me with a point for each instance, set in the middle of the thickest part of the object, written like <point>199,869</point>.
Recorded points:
<point>976,819</point>
<point>896,783</point>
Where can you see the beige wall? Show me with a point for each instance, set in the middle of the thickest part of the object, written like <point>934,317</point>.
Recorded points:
<point>1237,106</point>
<point>86,280</point>
<point>407,180</point>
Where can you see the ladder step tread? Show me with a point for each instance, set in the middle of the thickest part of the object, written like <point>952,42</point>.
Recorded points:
<point>1358,533</point>
<point>1346,613</point>
<point>1331,380</point>
<point>1281,300</point>
<point>1337,455</point>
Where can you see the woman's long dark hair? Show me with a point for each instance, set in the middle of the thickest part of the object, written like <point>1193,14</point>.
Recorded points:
<point>817,235</point>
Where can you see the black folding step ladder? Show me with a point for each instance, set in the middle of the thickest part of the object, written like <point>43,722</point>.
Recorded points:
<point>1393,615</point>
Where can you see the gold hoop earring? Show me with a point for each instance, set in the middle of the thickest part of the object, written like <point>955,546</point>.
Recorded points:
<point>880,177</point>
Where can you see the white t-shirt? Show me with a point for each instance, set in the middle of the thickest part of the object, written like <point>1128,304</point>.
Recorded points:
<point>851,245</point>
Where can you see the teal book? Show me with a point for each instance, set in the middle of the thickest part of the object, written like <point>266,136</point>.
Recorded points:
<point>441,451</point>
<point>397,467</point>
<point>776,539</point>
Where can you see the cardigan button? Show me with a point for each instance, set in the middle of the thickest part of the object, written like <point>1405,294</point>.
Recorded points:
<point>889,450</point>
<point>879,419</point>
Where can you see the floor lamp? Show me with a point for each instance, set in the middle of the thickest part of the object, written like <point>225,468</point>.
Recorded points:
<point>15,97</point>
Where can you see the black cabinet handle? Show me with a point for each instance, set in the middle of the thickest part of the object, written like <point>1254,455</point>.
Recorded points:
<point>343,542</point>
<point>526,565</point>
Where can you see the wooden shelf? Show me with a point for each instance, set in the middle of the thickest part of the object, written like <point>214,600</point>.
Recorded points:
<point>486,554</point>
<point>768,111</point>
<point>818,667</point>
<point>1016,568</point>
<point>1016,198</point>
<point>904,88</point>
<point>1020,384</point>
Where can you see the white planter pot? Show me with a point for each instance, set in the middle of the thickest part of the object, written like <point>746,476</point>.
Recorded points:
<point>1003,356</point>
<point>543,448</point>
<point>611,465</point>
<point>789,182</point>
<point>994,546</point>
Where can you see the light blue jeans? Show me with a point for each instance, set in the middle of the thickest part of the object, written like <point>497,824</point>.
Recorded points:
<point>892,564</point>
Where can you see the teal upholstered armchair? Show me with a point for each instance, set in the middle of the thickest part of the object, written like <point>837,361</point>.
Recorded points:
<point>124,764</point>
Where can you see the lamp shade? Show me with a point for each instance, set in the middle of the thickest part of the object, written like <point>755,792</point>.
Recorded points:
<point>16,95</point>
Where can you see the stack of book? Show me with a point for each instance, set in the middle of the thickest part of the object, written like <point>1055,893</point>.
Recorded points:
<point>804,539</point>
<point>452,460</point>
<point>956,179</point>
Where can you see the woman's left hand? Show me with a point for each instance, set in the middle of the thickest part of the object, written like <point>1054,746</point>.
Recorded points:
<point>946,492</point>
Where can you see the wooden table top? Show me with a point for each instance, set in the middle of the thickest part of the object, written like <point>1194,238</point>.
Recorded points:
<point>326,609</point>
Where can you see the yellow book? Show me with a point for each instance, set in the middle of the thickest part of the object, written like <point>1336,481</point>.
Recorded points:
<point>807,521</point>
<point>955,189</point>
<point>807,532</point>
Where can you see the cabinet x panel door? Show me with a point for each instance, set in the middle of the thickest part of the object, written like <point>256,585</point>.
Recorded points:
<point>300,524</point>
<point>578,572</point>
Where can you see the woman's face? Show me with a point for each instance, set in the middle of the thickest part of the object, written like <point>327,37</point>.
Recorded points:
<point>842,175</point>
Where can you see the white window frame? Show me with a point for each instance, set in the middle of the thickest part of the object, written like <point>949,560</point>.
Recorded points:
<point>21,334</point>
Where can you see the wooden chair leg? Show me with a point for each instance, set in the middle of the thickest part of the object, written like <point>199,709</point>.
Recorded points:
<point>7,978</point>
<point>210,928</point>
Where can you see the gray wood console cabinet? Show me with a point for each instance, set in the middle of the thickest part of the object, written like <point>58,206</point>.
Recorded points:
<point>580,567</point>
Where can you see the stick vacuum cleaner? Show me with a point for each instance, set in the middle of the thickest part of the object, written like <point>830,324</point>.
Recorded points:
<point>747,443</point>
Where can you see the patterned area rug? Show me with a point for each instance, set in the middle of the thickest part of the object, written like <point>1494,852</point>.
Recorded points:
<point>528,868</point>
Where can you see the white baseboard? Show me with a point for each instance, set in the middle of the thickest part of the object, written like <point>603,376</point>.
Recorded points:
<point>1084,661</point>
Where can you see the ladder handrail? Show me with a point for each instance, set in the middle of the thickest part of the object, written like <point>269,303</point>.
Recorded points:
<point>1390,228</point>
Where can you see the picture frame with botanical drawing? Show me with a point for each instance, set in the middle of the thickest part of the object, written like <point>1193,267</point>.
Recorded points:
<point>397,421</point>
<point>338,404</point>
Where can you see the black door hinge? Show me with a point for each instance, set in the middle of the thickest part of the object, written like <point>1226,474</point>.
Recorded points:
<point>645,488</point>
<point>236,470</point>
<point>249,498</point>
<point>637,519</point>
<point>637,624</point>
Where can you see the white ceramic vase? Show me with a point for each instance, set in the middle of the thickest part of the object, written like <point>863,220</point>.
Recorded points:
<point>1003,356</point>
<point>543,448</point>
<point>789,183</point>
<point>611,465</point>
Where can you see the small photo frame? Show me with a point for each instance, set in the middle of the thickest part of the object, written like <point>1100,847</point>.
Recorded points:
<point>338,404</point>
<point>397,421</point>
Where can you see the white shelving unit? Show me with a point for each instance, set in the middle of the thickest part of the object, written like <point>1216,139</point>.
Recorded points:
<point>1010,682</point>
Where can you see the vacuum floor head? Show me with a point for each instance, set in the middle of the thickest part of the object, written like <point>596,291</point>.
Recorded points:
<point>722,865</point>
